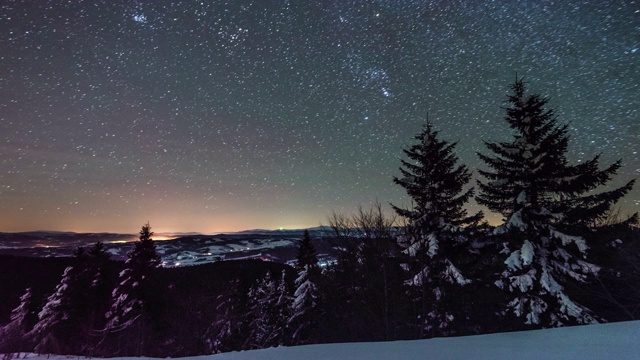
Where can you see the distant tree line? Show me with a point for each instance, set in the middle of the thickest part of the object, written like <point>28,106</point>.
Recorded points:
<point>563,256</point>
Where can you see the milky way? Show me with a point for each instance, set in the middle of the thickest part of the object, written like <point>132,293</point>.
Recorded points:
<point>226,115</point>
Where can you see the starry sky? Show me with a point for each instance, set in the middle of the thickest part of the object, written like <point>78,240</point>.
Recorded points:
<point>214,116</point>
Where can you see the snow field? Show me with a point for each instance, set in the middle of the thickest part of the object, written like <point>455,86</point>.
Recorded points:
<point>617,341</point>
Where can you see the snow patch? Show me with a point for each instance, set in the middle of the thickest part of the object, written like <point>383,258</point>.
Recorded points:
<point>515,221</point>
<point>453,275</point>
<point>513,261</point>
<point>526,253</point>
<point>566,239</point>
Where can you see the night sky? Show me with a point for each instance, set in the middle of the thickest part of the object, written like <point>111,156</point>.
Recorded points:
<point>215,116</point>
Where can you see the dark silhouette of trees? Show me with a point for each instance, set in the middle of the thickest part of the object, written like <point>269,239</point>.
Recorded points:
<point>614,294</point>
<point>366,282</point>
<point>96,265</point>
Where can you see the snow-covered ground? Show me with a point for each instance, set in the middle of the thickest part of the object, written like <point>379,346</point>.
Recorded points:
<point>604,341</point>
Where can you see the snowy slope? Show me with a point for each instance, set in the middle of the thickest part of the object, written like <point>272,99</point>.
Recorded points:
<point>605,341</point>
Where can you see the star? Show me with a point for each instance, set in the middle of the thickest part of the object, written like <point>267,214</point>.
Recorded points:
<point>221,116</point>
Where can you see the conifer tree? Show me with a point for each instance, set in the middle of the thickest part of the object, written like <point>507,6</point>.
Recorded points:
<point>57,319</point>
<point>65,322</point>
<point>306,252</point>
<point>144,255</point>
<point>98,253</point>
<point>269,311</point>
<point>130,299</point>
<point>545,202</point>
<point>260,297</point>
<point>94,297</point>
<point>305,308</point>
<point>281,314</point>
<point>22,319</point>
<point>436,226</point>
<point>229,330</point>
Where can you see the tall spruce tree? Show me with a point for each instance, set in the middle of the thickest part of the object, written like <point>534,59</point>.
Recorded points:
<point>436,226</point>
<point>58,317</point>
<point>230,328</point>
<point>306,252</point>
<point>130,309</point>
<point>260,298</point>
<point>269,310</point>
<point>228,332</point>
<point>22,319</point>
<point>281,311</point>
<point>305,308</point>
<point>545,202</point>
<point>94,298</point>
<point>67,319</point>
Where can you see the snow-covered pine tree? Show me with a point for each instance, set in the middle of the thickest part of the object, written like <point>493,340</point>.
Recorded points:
<point>260,297</point>
<point>281,314</point>
<point>56,320</point>
<point>269,309</point>
<point>65,322</point>
<point>545,201</point>
<point>435,232</point>
<point>305,308</point>
<point>22,319</point>
<point>229,330</point>
<point>131,297</point>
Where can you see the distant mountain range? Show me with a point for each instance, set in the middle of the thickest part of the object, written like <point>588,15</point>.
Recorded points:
<point>49,234</point>
<point>177,249</point>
